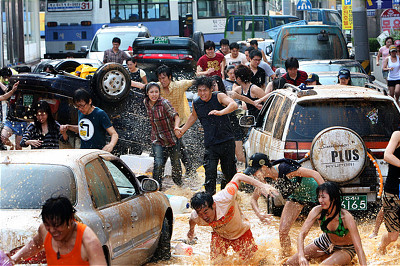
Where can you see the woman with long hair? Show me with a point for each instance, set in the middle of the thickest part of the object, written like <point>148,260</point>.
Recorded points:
<point>392,64</point>
<point>44,132</point>
<point>340,240</point>
<point>384,53</point>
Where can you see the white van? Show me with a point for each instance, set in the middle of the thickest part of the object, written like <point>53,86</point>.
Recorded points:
<point>102,40</point>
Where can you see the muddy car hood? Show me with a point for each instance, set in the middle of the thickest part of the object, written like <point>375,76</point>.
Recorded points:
<point>18,227</point>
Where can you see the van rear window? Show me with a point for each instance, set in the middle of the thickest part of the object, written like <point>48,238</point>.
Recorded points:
<point>372,120</point>
<point>307,46</point>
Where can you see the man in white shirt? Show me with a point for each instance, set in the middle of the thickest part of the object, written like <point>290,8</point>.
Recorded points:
<point>235,57</point>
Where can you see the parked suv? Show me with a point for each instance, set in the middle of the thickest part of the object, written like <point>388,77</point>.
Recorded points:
<point>342,128</point>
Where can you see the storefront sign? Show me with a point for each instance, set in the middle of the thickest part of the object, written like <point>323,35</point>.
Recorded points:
<point>347,15</point>
<point>390,20</point>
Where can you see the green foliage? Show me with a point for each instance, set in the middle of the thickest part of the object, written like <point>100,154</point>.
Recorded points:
<point>373,45</point>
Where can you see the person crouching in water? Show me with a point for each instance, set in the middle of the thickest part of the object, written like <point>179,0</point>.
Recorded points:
<point>296,184</point>
<point>164,123</point>
<point>222,213</point>
<point>340,241</point>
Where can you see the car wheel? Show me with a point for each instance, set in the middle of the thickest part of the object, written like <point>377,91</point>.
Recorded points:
<point>163,251</point>
<point>112,82</point>
<point>338,154</point>
<point>198,38</point>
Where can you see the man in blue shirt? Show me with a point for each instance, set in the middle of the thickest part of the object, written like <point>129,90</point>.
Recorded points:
<point>93,124</point>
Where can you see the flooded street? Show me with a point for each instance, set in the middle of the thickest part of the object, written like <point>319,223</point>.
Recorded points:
<point>266,237</point>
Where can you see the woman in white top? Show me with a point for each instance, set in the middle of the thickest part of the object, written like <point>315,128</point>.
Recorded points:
<point>392,64</point>
<point>384,52</point>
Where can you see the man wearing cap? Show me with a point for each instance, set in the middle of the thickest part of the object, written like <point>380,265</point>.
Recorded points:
<point>392,64</point>
<point>344,77</point>
<point>222,213</point>
<point>288,179</point>
<point>313,79</point>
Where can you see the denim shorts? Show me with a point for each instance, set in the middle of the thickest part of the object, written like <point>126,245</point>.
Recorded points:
<point>18,128</point>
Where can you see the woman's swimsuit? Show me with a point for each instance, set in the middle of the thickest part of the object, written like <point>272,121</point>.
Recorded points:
<point>340,230</point>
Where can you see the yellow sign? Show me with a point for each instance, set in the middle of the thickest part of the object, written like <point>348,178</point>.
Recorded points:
<point>347,15</point>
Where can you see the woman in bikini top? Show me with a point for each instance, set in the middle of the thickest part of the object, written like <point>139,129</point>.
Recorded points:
<point>340,240</point>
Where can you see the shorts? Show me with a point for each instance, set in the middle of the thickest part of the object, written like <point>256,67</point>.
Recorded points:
<point>243,245</point>
<point>392,83</point>
<point>18,128</point>
<point>324,243</point>
<point>391,212</point>
<point>306,192</point>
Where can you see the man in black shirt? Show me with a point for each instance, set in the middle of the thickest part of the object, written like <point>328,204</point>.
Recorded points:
<point>259,73</point>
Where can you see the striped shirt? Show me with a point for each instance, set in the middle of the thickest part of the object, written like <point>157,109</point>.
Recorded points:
<point>50,140</point>
<point>162,116</point>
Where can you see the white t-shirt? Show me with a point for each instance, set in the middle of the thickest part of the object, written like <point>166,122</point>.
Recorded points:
<point>240,59</point>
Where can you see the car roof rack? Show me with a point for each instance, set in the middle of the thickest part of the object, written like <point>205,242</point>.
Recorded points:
<point>299,92</point>
<point>377,88</point>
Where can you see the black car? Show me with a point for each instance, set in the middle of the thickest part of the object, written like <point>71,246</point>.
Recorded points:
<point>179,53</point>
<point>111,91</point>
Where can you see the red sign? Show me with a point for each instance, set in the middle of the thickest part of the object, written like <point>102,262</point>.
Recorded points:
<point>390,20</point>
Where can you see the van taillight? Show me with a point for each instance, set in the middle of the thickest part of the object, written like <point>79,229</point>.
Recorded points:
<point>138,56</point>
<point>86,23</point>
<point>378,155</point>
<point>185,57</point>
<point>51,24</point>
<point>292,150</point>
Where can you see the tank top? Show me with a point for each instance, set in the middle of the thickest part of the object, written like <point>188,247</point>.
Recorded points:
<point>135,76</point>
<point>252,109</point>
<point>72,258</point>
<point>395,73</point>
<point>393,177</point>
<point>217,129</point>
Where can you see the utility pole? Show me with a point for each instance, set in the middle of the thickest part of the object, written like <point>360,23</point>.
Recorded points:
<point>360,33</point>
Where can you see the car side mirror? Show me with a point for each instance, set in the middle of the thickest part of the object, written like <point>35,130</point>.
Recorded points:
<point>149,185</point>
<point>268,49</point>
<point>323,36</point>
<point>84,49</point>
<point>247,121</point>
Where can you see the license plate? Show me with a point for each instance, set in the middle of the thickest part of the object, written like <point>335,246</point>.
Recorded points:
<point>70,46</point>
<point>27,100</point>
<point>161,39</point>
<point>354,202</point>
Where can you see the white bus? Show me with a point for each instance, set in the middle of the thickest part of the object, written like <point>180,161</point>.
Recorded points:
<point>71,24</point>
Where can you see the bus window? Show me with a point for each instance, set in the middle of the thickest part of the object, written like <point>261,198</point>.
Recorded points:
<point>238,7</point>
<point>210,8</point>
<point>123,11</point>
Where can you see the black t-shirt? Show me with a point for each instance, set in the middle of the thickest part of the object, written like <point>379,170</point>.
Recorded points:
<point>393,177</point>
<point>259,77</point>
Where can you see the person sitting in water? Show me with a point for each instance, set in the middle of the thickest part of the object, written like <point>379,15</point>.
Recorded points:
<point>222,213</point>
<point>44,132</point>
<point>340,240</point>
<point>288,178</point>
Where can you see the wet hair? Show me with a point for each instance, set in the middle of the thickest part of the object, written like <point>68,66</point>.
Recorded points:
<point>81,95</point>
<point>234,45</point>
<point>334,192</point>
<point>224,42</point>
<point>389,38</point>
<point>204,81</point>
<point>220,83</point>
<point>43,106</point>
<point>58,210</point>
<point>201,199</point>
<point>208,45</point>
<point>132,59</point>
<point>163,69</point>
<point>249,49</point>
<point>5,72</point>
<point>254,42</point>
<point>255,53</point>
<point>149,86</point>
<point>291,62</point>
<point>244,73</point>
<point>116,40</point>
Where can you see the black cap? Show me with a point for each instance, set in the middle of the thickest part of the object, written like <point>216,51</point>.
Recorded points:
<point>255,162</point>
<point>344,73</point>
<point>313,77</point>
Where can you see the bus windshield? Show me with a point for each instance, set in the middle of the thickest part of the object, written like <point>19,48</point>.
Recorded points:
<point>69,5</point>
<point>103,41</point>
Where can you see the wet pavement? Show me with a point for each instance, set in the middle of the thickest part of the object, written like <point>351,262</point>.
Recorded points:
<point>266,235</point>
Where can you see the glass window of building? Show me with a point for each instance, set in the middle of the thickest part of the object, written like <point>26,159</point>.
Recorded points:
<point>185,7</point>
<point>259,6</point>
<point>238,7</point>
<point>210,8</point>
<point>138,10</point>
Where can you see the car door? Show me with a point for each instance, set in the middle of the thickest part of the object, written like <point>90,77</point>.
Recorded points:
<point>144,224</point>
<point>114,213</point>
